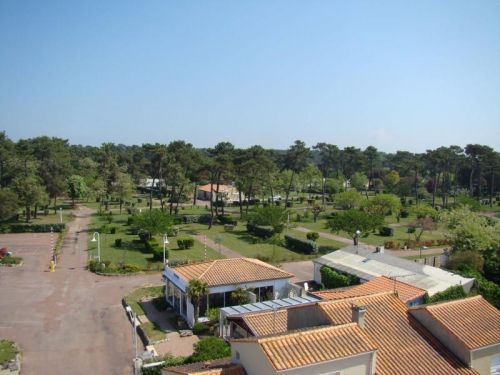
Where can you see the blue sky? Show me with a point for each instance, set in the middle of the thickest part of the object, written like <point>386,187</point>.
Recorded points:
<point>394,74</point>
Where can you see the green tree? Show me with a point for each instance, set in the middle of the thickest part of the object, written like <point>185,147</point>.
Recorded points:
<point>196,290</point>
<point>353,220</point>
<point>295,160</point>
<point>421,225</point>
<point>30,192</point>
<point>8,204</point>
<point>383,205</point>
<point>359,181</point>
<point>153,222</point>
<point>269,216</point>
<point>123,188</point>
<point>348,199</point>
<point>76,188</point>
<point>391,181</point>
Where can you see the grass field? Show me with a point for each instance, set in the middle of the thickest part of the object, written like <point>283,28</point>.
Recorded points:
<point>240,241</point>
<point>7,351</point>
<point>131,251</point>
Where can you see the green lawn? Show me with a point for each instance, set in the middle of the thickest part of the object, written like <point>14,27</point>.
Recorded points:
<point>243,243</point>
<point>131,250</point>
<point>400,231</point>
<point>427,255</point>
<point>137,295</point>
<point>7,351</point>
<point>153,331</point>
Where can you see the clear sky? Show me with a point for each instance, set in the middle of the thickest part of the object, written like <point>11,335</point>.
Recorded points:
<point>395,74</point>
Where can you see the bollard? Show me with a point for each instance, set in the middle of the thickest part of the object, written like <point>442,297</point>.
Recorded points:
<point>52,266</point>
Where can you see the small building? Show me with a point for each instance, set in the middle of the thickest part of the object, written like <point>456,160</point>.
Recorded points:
<point>341,349</point>
<point>469,327</point>
<point>367,264</point>
<point>261,281</point>
<point>408,294</point>
<point>227,193</point>
<point>222,366</point>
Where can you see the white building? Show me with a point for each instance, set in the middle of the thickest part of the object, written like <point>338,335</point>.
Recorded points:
<point>367,264</point>
<point>261,281</point>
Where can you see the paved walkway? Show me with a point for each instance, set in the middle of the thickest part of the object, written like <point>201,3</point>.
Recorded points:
<point>70,321</point>
<point>224,250</point>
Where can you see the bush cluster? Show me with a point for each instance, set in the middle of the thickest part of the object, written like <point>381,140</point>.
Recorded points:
<point>453,292</point>
<point>202,219</point>
<point>227,219</point>
<point>33,228</point>
<point>108,267</point>
<point>332,279</point>
<point>312,236</point>
<point>410,244</point>
<point>152,247</point>
<point>300,245</point>
<point>386,231</point>
<point>200,329</point>
<point>261,231</point>
<point>185,243</point>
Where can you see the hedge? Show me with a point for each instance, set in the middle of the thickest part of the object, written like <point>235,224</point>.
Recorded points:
<point>262,231</point>
<point>300,245</point>
<point>33,228</point>
<point>386,231</point>
<point>227,219</point>
<point>333,279</point>
<point>452,293</point>
<point>202,219</point>
<point>185,243</point>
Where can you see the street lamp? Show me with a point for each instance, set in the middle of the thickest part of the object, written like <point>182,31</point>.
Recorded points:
<point>60,214</point>
<point>97,238</point>
<point>165,243</point>
<point>356,241</point>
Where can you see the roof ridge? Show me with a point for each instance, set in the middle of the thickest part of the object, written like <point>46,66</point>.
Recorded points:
<point>356,297</point>
<point>208,268</point>
<point>445,303</point>
<point>304,332</point>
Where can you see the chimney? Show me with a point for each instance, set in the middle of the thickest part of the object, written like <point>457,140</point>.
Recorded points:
<point>358,314</point>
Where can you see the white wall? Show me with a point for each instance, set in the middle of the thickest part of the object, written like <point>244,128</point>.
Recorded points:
<point>482,358</point>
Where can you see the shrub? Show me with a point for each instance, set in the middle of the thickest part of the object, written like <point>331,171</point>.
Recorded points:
<point>118,242</point>
<point>130,219</point>
<point>424,211</point>
<point>150,246</point>
<point>289,204</point>
<point>200,328</point>
<point>227,219</point>
<point>404,213</point>
<point>312,236</point>
<point>213,314</point>
<point>452,293</point>
<point>129,268</point>
<point>209,348</point>
<point>158,254</point>
<point>386,231</point>
<point>262,231</point>
<point>411,230</point>
<point>390,245</point>
<point>185,243</point>
<point>112,230</point>
<point>333,279</point>
<point>202,219</point>
<point>36,228</point>
<point>10,260</point>
<point>300,245</point>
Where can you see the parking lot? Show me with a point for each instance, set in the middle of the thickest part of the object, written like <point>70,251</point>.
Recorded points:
<point>70,321</point>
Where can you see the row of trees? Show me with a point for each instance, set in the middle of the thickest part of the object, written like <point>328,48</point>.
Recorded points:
<point>42,169</point>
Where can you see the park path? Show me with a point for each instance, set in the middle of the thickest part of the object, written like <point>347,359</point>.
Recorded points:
<point>224,250</point>
<point>70,321</point>
<point>329,236</point>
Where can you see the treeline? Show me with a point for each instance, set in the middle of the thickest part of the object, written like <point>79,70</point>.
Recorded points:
<point>36,172</point>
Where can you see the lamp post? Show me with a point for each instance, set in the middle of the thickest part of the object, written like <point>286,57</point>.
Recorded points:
<point>97,238</point>
<point>165,243</point>
<point>356,239</point>
<point>60,214</point>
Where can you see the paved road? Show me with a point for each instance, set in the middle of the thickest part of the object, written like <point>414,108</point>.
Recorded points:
<point>70,321</point>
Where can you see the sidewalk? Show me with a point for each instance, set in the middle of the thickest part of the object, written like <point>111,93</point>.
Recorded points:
<point>227,252</point>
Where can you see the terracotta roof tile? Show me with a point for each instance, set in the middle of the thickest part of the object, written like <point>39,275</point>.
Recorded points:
<point>404,345</point>
<point>405,291</point>
<point>230,271</point>
<point>317,345</point>
<point>221,366</point>
<point>267,323</point>
<point>474,321</point>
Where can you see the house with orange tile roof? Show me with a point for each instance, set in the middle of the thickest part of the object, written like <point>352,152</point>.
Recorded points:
<point>342,349</point>
<point>469,327</point>
<point>262,282</point>
<point>222,366</point>
<point>409,294</point>
<point>227,193</point>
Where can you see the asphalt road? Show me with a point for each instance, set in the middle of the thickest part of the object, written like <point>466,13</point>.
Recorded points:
<point>70,321</point>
